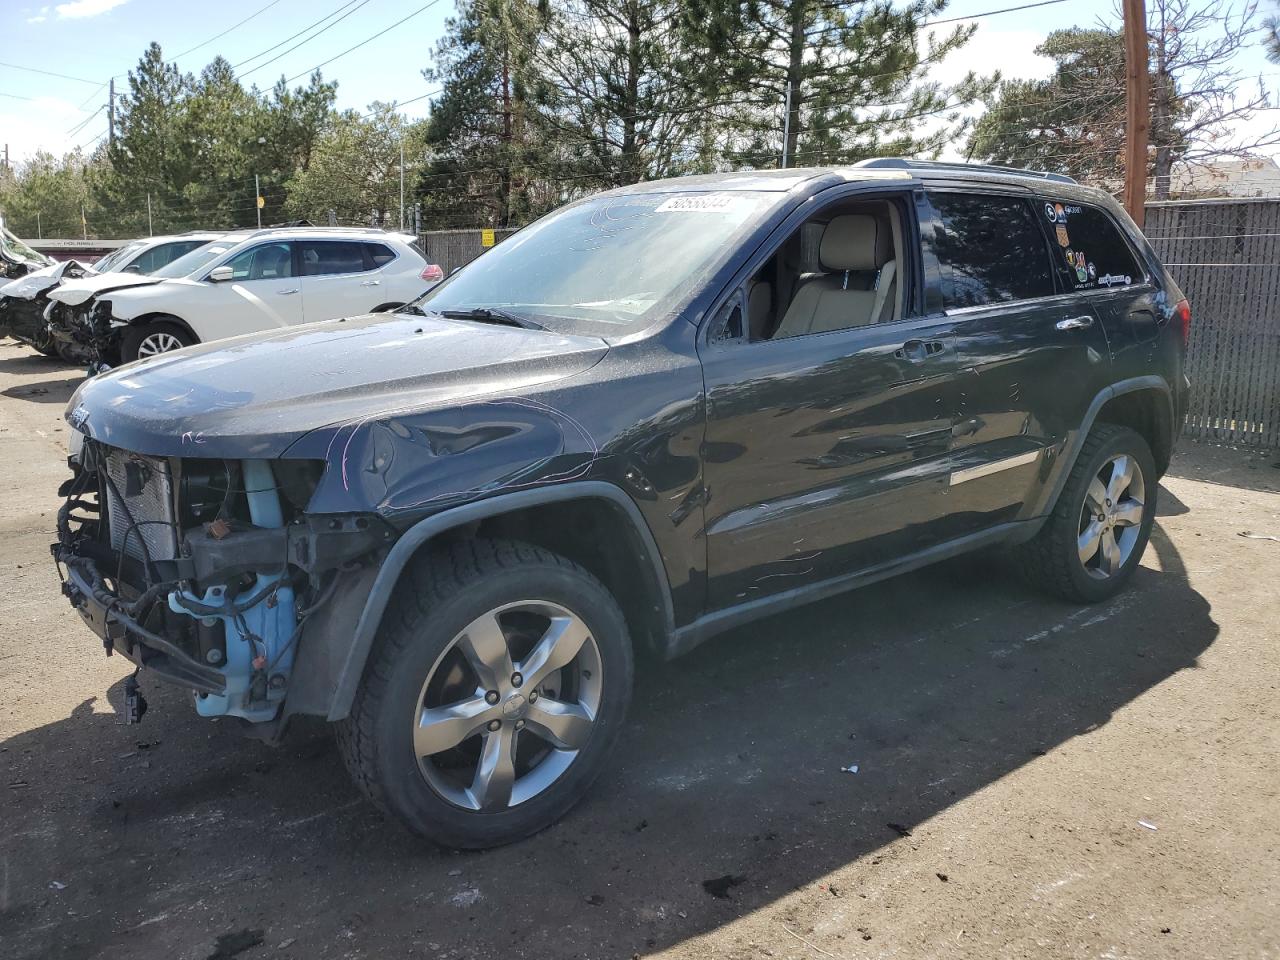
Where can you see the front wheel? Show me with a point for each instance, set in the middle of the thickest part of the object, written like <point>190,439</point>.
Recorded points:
<point>150,339</point>
<point>1093,541</point>
<point>497,685</point>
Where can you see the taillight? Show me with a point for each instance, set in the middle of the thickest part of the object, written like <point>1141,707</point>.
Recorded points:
<point>432,273</point>
<point>1182,316</point>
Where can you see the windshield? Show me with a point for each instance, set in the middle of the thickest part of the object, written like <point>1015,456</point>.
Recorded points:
<point>189,263</point>
<point>20,249</point>
<point>117,257</point>
<point>606,264</point>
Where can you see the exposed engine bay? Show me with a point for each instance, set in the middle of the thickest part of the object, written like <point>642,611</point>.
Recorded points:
<point>205,572</point>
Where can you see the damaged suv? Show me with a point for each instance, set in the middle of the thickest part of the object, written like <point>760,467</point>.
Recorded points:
<point>654,414</point>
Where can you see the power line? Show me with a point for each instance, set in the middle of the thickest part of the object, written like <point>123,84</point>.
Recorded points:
<point>992,13</point>
<point>219,36</point>
<point>425,6</point>
<point>301,42</point>
<point>47,73</point>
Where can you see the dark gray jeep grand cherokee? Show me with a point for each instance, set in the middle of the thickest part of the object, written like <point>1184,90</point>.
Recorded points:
<point>652,415</point>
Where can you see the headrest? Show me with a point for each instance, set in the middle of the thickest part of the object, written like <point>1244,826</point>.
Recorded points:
<point>852,242</point>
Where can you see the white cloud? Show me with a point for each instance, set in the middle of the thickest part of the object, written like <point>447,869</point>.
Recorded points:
<point>36,19</point>
<point>78,9</point>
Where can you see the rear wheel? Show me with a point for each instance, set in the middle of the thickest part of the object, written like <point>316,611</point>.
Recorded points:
<point>155,337</point>
<point>1094,539</point>
<point>498,684</point>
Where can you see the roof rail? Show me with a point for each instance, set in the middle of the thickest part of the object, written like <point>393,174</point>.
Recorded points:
<point>319,227</point>
<point>902,163</point>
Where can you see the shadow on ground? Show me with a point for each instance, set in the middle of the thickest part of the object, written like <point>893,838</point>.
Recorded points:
<point>173,834</point>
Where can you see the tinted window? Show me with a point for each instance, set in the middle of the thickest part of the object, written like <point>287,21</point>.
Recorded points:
<point>271,261</point>
<point>990,249</point>
<point>1090,252</point>
<point>321,257</point>
<point>165,253</point>
<point>380,254</point>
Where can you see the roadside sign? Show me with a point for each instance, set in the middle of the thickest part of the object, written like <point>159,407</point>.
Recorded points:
<point>487,239</point>
<point>262,202</point>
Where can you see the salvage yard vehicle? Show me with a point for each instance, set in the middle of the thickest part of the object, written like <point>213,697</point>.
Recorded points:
<point>655,414</point>
<point>248,281</point>
<point>25,302</point>
<point>17,259</point>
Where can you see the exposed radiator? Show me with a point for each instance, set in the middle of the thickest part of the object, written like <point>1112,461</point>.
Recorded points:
<point>145,517</point>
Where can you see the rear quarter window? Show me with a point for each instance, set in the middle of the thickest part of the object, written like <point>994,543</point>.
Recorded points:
<point>380,254</point>
<point>1090,252</point>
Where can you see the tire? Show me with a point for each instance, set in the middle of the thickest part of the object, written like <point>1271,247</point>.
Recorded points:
<point>1056,560</point>
<point>45,344</point>
<point>420,661</point>
<point>149,339</point>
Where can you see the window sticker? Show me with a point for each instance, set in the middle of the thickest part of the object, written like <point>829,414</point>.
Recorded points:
<point>700,203</point>
<point>1111,280</point>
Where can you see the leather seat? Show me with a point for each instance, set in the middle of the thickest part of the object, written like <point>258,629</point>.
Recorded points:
<point>851,243</point>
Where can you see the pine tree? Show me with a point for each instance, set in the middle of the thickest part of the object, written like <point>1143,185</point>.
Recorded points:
<point>829,81</point>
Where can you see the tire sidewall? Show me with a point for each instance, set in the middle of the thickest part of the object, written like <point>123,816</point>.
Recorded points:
<point>406,791</point>
<point>1131,444</point>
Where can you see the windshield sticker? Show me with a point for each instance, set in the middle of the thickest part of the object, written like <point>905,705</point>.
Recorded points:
<point>700,203</point>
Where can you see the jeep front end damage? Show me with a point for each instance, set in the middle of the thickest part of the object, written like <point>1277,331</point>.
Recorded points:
<point>206,572</point>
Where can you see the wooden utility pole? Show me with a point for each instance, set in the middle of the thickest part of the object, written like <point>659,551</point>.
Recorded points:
<point>1137,108</point>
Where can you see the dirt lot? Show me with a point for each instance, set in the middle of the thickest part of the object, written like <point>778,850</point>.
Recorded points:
<point>1034,780</point>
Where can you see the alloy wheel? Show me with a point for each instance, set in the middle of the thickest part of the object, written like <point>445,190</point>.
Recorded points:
<point>158,342</point>
<point>1111,517</point>
<point>508,705</point>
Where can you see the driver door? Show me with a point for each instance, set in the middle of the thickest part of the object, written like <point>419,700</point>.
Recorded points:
<point>264,292</point>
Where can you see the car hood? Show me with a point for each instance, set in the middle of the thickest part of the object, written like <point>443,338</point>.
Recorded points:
<point>37,281</point>
<point>75,292</point>
<point>254,396</point>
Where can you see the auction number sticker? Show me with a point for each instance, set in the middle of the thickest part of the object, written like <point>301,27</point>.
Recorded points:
<point>699,203</point>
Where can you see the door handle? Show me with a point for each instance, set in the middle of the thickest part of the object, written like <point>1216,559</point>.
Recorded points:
<point>370,283</point>
<point>918,350</point>
<point>285,293</point>
<point>1075,323</point>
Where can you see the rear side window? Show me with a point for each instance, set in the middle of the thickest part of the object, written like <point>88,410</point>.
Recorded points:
<point>990,249</point>
<point>1090,252</point>
<point>380,254</point>
<point>165,254</point>
<point>325,257</point>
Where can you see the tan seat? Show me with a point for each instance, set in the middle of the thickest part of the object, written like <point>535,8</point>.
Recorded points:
<point>851,243</point>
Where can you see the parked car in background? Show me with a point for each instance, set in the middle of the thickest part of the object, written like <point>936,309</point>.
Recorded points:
<point>248,281</point>
<point>657,413</point>
<point>17,259</point>
<point>25,302</point>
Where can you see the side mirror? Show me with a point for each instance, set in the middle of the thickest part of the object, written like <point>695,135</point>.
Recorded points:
<point>132,268</point>
<point>221,274</point>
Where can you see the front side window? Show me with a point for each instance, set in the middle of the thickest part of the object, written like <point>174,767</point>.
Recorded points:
<point>270,261</point>
<point>990,249</point>
<point>608,263</point>
<point>1090,253</point>
<point>325,257</point>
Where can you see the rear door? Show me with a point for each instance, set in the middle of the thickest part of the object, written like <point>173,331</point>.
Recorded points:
<point>339,279</point>
<point>1099,264</point>
<point>1032,353</point>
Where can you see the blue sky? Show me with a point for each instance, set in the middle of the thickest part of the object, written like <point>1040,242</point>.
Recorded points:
<point>95,39</point>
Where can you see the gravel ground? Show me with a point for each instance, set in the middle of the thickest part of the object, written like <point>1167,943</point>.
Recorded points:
<point>1033,779</point>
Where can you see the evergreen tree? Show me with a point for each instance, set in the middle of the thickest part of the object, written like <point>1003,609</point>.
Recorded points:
<point>484,151</point>
<point>832,81</point>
